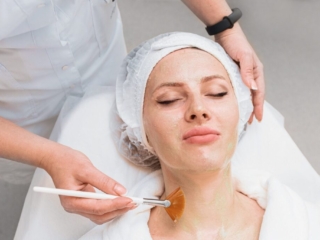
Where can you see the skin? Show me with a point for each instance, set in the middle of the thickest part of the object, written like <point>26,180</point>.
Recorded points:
<point>212,11</point>
<point>187,89</point>
<point>69,169</point>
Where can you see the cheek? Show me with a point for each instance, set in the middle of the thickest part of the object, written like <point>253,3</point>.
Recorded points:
<point>231,120</point>
<point>162,129</point>
<point>227,117</point>
<point>230,112</point>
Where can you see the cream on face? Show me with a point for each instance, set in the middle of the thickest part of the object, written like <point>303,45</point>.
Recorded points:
<point>190,111</point>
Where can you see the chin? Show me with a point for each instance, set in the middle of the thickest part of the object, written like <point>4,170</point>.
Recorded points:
<point>206,161</point>
<point>198,158</point>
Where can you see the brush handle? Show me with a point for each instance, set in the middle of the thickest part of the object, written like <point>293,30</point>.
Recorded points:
<point>93,195</point>
<point>73,193</point>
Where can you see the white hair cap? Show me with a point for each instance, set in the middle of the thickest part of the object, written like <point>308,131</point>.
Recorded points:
<point>129,131</point>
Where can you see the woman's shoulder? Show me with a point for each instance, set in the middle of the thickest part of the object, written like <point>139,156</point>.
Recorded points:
<point>250,217</point>
<point>287,215</point>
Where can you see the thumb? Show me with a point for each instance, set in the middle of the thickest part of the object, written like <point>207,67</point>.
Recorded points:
<point>246,69</point>
<point>104,183</point>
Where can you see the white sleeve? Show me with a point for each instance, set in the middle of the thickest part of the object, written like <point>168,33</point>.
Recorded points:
<point>20,16</point>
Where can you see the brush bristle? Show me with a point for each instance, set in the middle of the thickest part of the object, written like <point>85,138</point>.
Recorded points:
<point>177,199</point>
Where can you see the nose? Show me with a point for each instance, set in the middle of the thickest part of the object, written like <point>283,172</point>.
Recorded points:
<point>197,112</point>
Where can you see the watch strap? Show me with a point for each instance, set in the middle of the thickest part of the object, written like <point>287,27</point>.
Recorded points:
<point>226,23</point>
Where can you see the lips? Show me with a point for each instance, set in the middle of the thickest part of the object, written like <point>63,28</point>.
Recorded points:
<point>201,135</point>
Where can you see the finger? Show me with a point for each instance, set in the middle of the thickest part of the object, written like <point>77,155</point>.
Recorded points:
<point>99,180</point>
<point>251,118</point>
<point>87,188</point>
<point>258,112</point>
<point>259,95</point>
<point>246,69</point>
<point>94,206</point>
<point>106,217</point>
<point>258,100</point>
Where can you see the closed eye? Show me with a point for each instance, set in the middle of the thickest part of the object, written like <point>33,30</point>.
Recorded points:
<point>167,102</point>
<point>218,94</point>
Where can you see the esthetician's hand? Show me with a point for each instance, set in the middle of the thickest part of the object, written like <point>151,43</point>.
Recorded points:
<point>69,169</point>
<point>72,170</point>
<point>237,46</point>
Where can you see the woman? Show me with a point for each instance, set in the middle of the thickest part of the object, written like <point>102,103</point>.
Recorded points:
<point>195,155</point>
<point>182,107</point>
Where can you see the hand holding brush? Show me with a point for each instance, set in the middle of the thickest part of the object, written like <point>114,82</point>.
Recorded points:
<point>173,204</point>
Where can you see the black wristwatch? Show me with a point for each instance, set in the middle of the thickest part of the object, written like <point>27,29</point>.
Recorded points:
<point>226,23</point>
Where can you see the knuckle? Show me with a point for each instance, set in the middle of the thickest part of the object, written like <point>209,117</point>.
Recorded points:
<point>85,173</point>
<point>246,52</point>
<point>248,71</point>
<point>108,182</point>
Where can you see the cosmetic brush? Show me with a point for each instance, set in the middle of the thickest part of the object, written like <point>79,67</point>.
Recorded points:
<point>173,204</point>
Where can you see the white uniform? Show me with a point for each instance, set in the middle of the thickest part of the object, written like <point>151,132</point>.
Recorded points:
<point>49,49</point>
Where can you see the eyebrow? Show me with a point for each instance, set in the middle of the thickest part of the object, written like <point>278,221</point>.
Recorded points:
<point>212,77</point>
<point>179,84</point>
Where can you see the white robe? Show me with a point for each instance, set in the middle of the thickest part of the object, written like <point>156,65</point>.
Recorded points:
<point>286,216</point>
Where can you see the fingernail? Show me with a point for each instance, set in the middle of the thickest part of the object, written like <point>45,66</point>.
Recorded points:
<point>254,86</point>
<point>135,206</point>
<point>131,205</point>
<point>120,190</point>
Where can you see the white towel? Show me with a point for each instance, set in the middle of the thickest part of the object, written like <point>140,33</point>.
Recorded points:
<point>286,216</point>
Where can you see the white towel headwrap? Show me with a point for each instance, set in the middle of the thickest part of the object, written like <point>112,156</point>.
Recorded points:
<point>130,136</point>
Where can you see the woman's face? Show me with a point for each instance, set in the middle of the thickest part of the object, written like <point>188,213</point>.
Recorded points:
<point>190,111</point>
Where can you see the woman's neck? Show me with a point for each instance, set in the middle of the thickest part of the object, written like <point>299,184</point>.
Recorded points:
<point>212,205</point>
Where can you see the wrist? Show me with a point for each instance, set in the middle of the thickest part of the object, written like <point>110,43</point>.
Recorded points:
<point>235,30</point>
<point>51,155</point>
<point>209,12</point>
<point>226,23</point>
